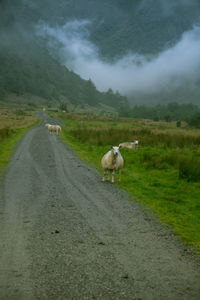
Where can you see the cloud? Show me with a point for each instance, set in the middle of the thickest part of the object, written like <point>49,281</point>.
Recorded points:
<point>166,8</point>
<point>134,73</point>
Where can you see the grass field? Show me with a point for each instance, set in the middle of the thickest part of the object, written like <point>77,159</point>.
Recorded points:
<point>13,125</point>
<point>163,174</point>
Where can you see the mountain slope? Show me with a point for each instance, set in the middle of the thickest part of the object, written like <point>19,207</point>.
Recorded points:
<point>147,28</point>
<point>43,76</point>
<point>28,68</point>
<point>117,27</point>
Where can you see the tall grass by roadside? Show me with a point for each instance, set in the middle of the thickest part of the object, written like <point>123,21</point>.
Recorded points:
<point>12,128</point>
<point>162,173</point>
<point>7,146</point>
<point>186,162</point>
<point>159,150</point>
<point>5,132</point>
<point>115,135</point>
<point>189,168</point>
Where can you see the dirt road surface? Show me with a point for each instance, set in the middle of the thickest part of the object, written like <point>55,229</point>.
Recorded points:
<point>66,235</point>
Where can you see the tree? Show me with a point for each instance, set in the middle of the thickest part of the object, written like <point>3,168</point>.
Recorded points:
<point>195,120</point>
<point>63,106</point>
<point>156,118</point>
<point>167,118</point>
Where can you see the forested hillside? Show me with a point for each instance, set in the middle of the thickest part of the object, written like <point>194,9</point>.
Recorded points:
<point>43,76</point>
<point>143,26</point>
<point>170,112</point>
<point>32,63</point>
<point>28,68</point>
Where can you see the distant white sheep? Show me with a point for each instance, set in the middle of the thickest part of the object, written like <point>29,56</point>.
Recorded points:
<point>130,145</point>
<point>57,129</point>
<point>48,126</point>
<point>53,128</point>
<point>112,161</point>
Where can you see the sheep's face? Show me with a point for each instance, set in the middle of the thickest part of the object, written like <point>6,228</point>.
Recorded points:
<point>115,150</point>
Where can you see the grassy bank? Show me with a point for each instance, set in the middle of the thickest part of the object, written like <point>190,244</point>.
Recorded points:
<point>13,125</point>
<point>163,173</point>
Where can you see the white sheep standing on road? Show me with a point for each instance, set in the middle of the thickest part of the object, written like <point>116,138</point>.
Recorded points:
<point>130,145</point>
<point>53,128</point>
<point>49,127</point>
<point>112,161</point>
<point>58,129</point>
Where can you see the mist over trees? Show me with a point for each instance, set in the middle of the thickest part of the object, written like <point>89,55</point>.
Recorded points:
<point>169,112</point>
<point>30,65</point>
<point>45,77</point>
<point>28,68</point>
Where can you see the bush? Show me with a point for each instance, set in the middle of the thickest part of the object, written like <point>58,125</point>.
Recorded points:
<point>195,120</point>
<point>5,132</point>
<point>63,106</point>
<point>167,118</point>
<point>159,159</point>
<point>156,119</point>
<point>189,169</point>
<point>20,112</point>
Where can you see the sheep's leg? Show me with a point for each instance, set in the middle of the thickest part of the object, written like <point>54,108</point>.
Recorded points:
<point>113,174</point>
<point>119,178</point>
<point>109,175</point>
<point>104,175</point>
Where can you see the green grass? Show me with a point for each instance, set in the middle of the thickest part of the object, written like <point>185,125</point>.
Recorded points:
<point>8,143</point>
<point>151,174</point>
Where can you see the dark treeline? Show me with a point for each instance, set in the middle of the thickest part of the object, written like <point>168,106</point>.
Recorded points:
<point>169,112</point>
<point>33,71</point>
<point>27,68</point>
<point>118,25</point>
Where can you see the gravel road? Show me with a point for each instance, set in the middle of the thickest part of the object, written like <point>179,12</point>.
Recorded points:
<point>66,235</point>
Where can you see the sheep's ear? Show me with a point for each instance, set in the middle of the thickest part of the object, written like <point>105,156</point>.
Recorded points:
<point>120,146</point>
<point>111,146</point>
